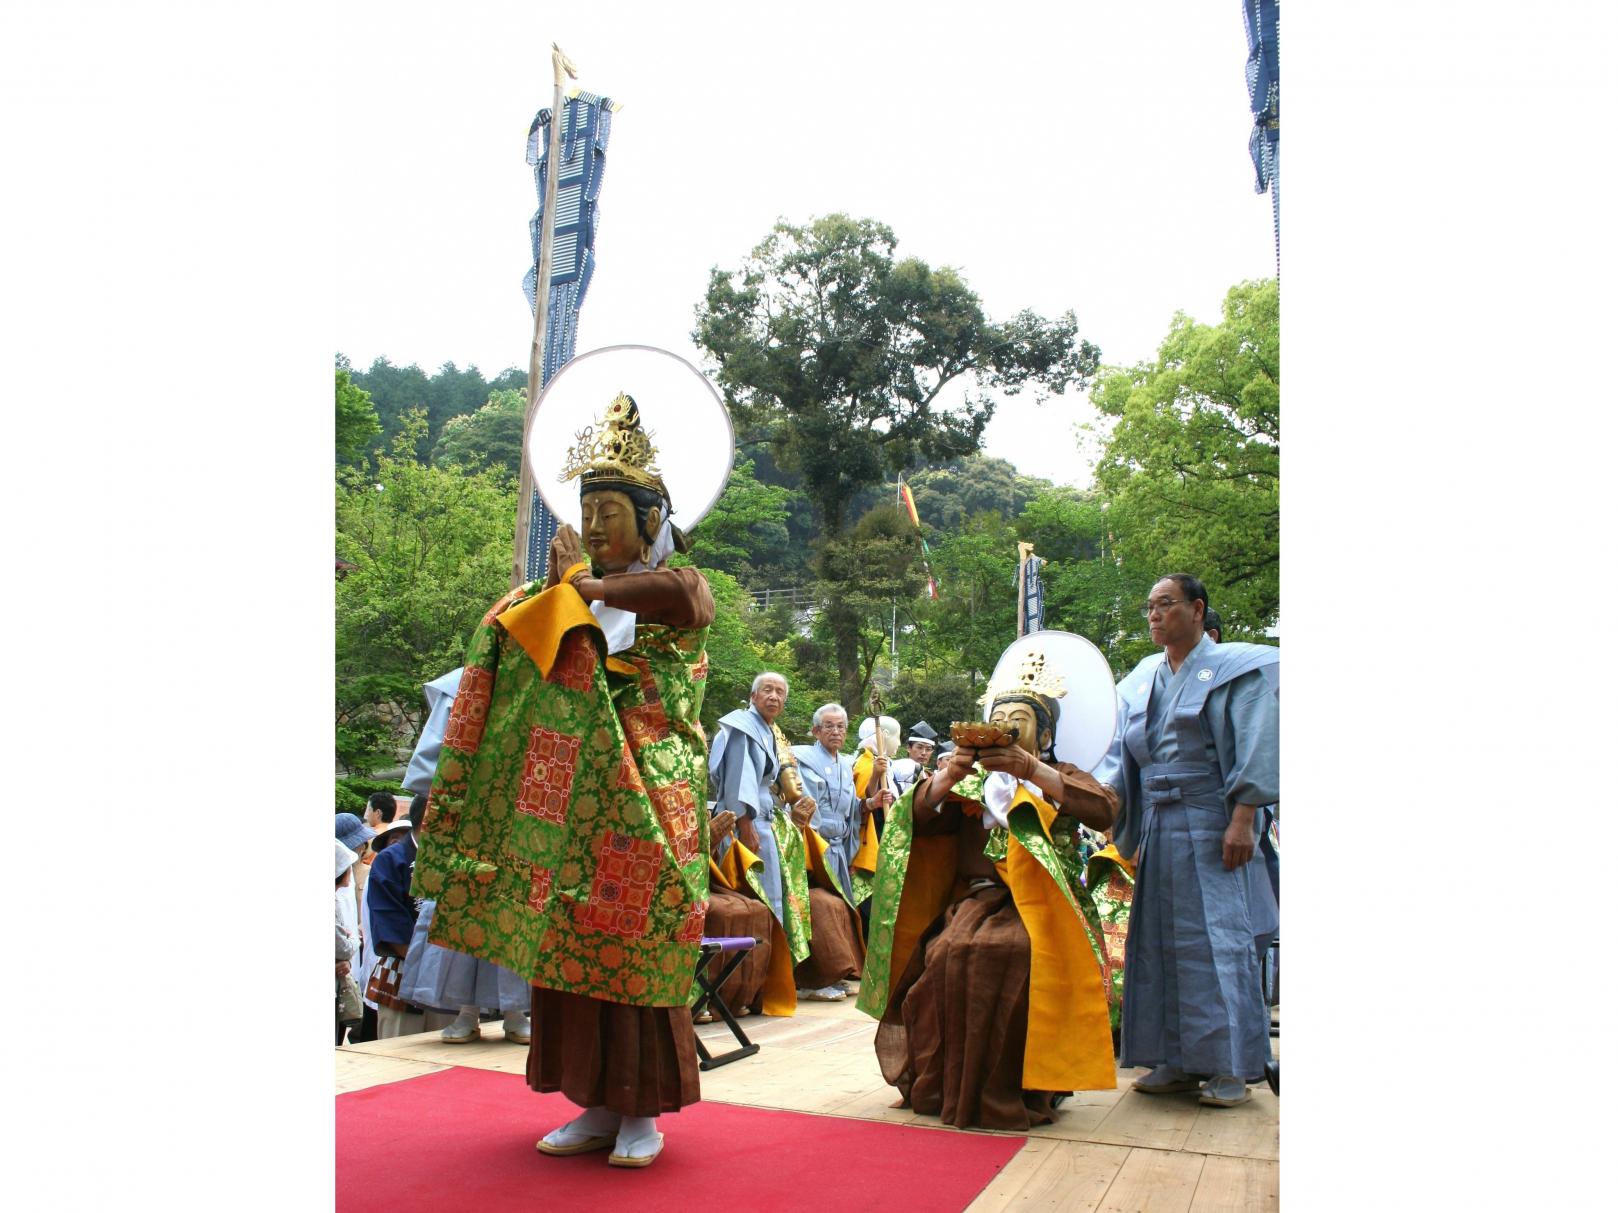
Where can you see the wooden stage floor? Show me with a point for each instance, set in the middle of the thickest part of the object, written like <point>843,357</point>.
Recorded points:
<point>1109,1151</point>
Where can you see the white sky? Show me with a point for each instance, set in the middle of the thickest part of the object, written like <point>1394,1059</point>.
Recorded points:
<point>1090,157</point>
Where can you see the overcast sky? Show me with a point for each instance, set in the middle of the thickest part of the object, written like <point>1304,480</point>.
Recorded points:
<point>1090,156</point>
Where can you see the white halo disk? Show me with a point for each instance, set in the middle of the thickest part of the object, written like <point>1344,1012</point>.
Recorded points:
<point>682,413</point>
<point>1088,716</point>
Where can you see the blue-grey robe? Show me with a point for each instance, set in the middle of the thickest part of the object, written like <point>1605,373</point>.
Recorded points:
<point>1192,745</point>
<point>433,976</point>
<point>440,693</point>
<point>741,767</point>
<point>829,778</point>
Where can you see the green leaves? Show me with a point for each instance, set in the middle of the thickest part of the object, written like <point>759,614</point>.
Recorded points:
<point>1193,461</point>
<point>432,548</point>
<point>836,356</point>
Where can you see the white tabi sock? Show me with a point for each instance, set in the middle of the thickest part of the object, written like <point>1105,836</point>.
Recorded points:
<point>594,1122</point>
<point>468,1017</point>
<point>516,1020</point>
<point>637,1137</point>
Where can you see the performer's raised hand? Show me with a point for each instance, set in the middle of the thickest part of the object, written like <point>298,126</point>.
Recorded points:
<point>803,811</point>
<point>567,550</point>
<point>879,769</point>
<point>721,826</point>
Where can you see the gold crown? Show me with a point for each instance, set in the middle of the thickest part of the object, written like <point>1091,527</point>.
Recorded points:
<point>617,449</point>
<point>1030,679</point>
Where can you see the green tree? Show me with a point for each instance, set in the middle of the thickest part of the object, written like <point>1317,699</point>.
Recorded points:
<point>432,549</point>
<point>749,517</point>
<point>1088,591</point>
<point>356,420</point>
<point>975,616</point>
<point>489,439</point>
<point>1192,464</point>
<point>837,356</point>
<point>947,496</point>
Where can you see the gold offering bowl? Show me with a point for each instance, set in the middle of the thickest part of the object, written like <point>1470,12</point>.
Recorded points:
<point>981,734</point>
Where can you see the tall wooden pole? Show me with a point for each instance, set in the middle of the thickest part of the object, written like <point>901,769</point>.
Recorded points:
<point>561,66</point>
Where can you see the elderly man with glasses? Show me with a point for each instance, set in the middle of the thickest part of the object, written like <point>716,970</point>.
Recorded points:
<point>1197,754</point>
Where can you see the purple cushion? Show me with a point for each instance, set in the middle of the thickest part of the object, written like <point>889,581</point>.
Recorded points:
<point>729,943</point>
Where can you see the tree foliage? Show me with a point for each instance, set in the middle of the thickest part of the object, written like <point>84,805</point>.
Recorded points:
<point>487,440</point>
<point>839,357</point>
<point>1192,464</point>
<point>749,519</point>
<point>432,548</point>
<point>357,423</point>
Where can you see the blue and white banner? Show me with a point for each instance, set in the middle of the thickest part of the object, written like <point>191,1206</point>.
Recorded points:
<point>1031,612</point>
<point>586,126</point>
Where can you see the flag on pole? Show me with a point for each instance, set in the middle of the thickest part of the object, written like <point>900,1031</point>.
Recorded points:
<point>1030,591</point>
<point>586,124</point>
<point>909,504</point>
<point>1263,21</point>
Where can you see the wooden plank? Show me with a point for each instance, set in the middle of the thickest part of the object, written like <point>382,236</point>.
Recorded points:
<point>1158,1122</point>
<point>876,1104</point>
<point>1238,1185</point>
<point>1154,1181</point>
<point>357,1071</point>
<point>1249,1130</point>
<point>1045,1174</point>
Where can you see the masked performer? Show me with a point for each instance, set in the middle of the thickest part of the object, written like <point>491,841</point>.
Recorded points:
<point>997,1001</point>
<point>566,838</point>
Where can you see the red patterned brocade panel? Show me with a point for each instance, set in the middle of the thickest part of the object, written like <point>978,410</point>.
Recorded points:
<point>621,892</point>
<point>691,929</point>
<point>547,774</point>
<point>575,666</point>
<point>629,773</point>
<point>677,811</point>
<point>646,724</point>
<point>470,711</point>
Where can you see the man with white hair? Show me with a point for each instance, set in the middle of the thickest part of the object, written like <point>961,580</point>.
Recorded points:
<point>829,777</point>
<point>837,952</point>
<point>744,765</point>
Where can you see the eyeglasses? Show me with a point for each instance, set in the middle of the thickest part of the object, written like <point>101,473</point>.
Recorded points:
<point>1160,605</point>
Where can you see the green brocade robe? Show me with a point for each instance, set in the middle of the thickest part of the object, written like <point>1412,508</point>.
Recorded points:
<point>567,834</point>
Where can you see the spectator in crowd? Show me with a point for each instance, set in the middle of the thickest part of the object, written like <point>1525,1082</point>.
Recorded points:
<point>393,921</point>
<point>348,994</point>
<point>380,809</point>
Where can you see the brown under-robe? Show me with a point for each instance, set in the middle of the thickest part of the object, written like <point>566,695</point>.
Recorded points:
<point>732,913</point>
<point>836,947</point>
<point>636,1061</point>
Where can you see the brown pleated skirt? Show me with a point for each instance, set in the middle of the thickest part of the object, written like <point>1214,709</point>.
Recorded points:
<point>836,946</point>
<point>737,914</point>
<point>637,1061</point>
<point>953,1037</point>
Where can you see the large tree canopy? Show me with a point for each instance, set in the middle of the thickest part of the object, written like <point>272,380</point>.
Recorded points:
<point>839,357</point>
<point>1193,462</point>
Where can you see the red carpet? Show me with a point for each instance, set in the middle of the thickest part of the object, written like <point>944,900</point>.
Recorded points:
<point>463,1139</point>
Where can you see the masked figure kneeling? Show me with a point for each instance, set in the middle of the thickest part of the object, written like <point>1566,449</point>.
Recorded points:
<point>997,1003</point>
